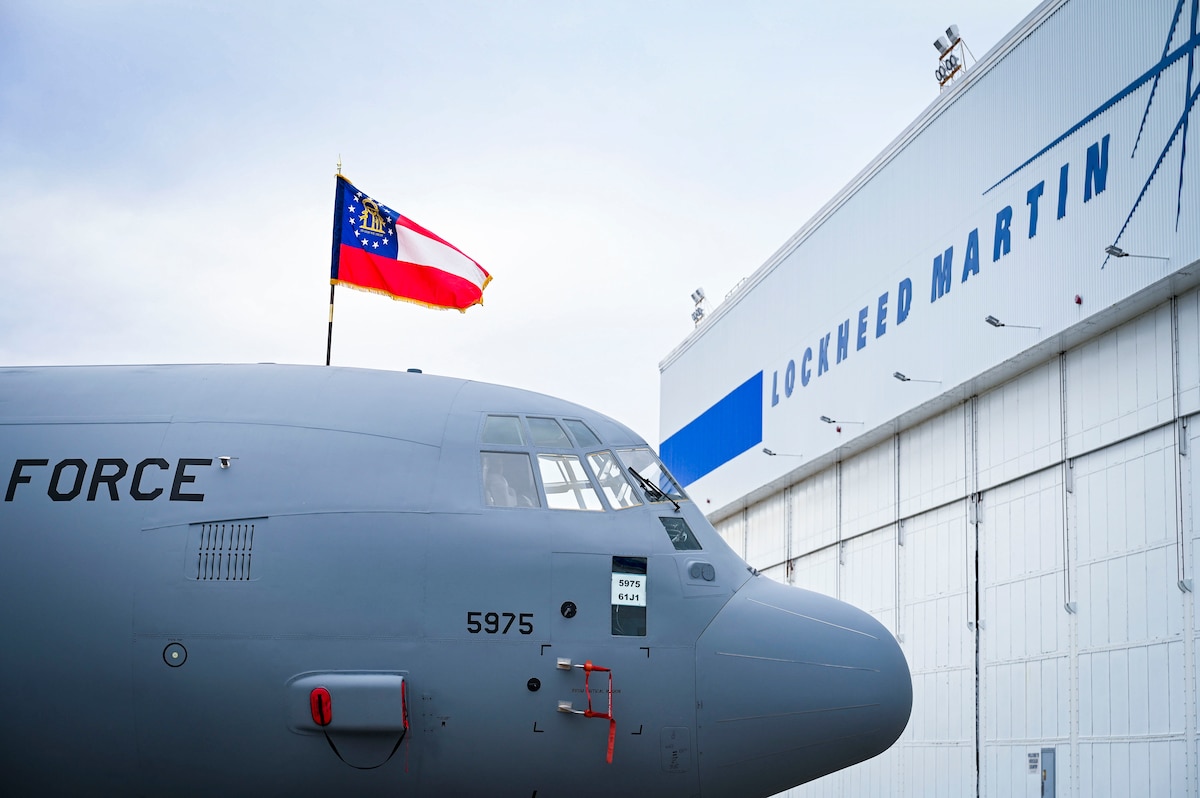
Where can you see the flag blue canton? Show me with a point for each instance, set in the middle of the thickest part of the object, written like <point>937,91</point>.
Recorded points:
<point>368,224</point>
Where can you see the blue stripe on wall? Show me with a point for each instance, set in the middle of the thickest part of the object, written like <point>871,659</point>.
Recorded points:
<point>728,428</point>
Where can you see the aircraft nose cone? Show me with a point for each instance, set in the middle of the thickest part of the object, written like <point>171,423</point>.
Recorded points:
<point>792,685</point>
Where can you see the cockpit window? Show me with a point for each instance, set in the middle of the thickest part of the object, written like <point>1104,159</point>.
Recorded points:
<point>583,434</point>
<point>503,431</point>
<point>508,480</point>
<point>680,533</point>
<point>613,482</point>
<point>651,475</point>
<point>567,484</point>
<point>547,432</point>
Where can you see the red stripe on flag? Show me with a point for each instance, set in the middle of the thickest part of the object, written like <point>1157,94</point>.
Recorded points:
<point>412,282</point>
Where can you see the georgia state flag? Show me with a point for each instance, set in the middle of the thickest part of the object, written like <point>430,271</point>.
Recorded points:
<point>376,249</point>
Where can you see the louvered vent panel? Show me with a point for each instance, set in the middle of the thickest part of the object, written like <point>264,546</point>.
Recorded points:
<point>225,551</point>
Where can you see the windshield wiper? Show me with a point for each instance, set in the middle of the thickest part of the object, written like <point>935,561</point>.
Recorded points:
<point>654,492</point>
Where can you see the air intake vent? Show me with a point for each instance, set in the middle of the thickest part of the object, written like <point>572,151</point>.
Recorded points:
<point>225,551</point>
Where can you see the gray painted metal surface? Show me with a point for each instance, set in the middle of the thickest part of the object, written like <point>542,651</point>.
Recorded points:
<point>284,579</point>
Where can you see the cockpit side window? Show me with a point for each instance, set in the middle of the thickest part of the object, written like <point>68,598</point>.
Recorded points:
<point>584,436</point>
<point>503,431</point>
<point>680,533</point>
<point>547,432</point>
<point>508,480</point>
<point>567,484</point>
<point>613,482</point>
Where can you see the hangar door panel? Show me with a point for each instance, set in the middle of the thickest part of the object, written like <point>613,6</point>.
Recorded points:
<point>936,588</point>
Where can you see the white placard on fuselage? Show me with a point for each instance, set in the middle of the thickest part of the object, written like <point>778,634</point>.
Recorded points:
<point>629,590</point>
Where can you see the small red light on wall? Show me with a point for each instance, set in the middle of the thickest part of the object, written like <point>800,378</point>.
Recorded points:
<point>1078,299</point>
<point>321,705</point>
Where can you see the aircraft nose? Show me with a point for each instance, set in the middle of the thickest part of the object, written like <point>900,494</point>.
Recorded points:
<point>792,685</point>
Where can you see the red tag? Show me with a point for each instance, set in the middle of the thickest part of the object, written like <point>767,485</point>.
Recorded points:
<point>321,705</point>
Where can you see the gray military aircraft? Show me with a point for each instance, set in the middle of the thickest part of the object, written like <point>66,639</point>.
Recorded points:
<point>269,580</point>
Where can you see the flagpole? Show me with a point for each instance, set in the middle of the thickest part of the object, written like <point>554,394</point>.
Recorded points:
<point>332,288</point>
<point>329,339</point>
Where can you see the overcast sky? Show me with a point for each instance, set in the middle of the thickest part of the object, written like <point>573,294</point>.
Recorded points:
<point>167,189</point>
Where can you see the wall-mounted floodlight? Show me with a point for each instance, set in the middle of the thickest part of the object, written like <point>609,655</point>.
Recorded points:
<point>942,44</point>
<point>698,296</point>
<point>952,34</point>
<point>995,322</point>
<point>829,420</point>
<point>905,378</point>
<point>770,453</point>
<point>1116,252</point>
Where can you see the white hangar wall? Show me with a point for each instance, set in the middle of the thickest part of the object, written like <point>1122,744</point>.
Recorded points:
<point>1067,500</point>
<point>999,200</point>
<point>1024,521</point>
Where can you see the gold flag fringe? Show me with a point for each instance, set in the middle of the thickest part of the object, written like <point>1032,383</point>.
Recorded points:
<point>430,305</point>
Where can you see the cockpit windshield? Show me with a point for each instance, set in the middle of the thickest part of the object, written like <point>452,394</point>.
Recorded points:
<point>613,480</point>
<point>525,462</point>
<point>656,482</point>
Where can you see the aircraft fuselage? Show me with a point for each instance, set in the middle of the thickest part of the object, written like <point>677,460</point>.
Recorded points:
<point>270,579</point>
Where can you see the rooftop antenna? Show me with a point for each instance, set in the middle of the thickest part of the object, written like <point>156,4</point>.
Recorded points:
<point>952,52</point>
<point>698,298</point>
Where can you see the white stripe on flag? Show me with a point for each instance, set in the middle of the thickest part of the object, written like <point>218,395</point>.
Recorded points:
<point>412,247</point>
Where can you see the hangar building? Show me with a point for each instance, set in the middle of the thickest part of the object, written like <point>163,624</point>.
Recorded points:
<point>978,369</point>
